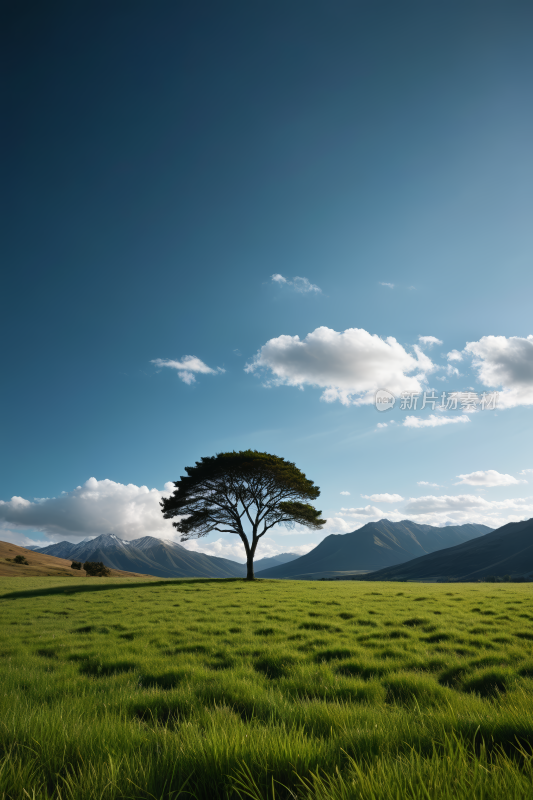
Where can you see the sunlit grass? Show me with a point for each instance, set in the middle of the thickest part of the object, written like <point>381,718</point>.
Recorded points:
<point>289,689</point>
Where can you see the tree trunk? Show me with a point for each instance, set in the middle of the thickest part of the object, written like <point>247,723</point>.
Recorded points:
<point>250,567</point>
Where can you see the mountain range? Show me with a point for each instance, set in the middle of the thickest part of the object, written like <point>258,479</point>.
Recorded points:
<point>161,557</point>
<point>383,551</point>
<point>505,551</point>
<point>374,546</point>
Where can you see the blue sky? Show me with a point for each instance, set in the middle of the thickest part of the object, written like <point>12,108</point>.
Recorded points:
<point>163,161</point>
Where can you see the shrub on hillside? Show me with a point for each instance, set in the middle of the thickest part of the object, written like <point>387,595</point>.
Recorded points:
<point>20,560</point>
<point>96,569</point>
<point>76,565</point>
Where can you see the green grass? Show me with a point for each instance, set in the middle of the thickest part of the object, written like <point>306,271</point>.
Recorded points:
<point>279,689</point>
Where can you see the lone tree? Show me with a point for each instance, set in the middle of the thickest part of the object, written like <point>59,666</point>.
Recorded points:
<point>233,491</point>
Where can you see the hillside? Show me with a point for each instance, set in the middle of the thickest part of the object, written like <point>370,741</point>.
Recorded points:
<point>40,564</point>
<point>373,547</point>
<point>505,551</point>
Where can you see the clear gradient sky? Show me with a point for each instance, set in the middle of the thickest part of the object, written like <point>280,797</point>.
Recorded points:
<point>162,161</point>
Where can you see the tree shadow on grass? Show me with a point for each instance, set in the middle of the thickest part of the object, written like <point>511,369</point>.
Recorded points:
<point>103,585</point>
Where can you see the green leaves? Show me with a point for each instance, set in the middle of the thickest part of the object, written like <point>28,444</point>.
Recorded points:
<point>303,514</point>
<point>242,492</point>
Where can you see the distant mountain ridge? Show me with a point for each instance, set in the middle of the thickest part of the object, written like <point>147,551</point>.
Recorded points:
<point>373,547</point>
<point>505,551</point>
<point>163,558</point>
<point>160,557</point>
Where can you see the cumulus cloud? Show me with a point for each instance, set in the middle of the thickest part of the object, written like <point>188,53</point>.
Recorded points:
<point>383,283</point>
<point>128,511</point>
<point>455,507</point>
<point>487,477</point>
<point>454,355</point>
<point>383,498</point>
<point>337,525</point>
<point>187,367</point>
<point>432,421</point>
<point>16,537</point>
<point>429,340</point>
<point>234,550</point>
<point>506,364</point>
<point>526,472</point>
<point>382,425</point>
<point>425,483</point>
<point>347,493</point>
<point>301,285</point>
<point>349,366</point>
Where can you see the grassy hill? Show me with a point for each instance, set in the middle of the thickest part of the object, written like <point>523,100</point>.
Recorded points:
<point>221,690</point>
<point>40,564</point>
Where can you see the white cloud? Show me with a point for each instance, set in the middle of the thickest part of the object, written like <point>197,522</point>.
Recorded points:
<point>128,511</point>
<point>234,550</point>
<point>425,483</point>
<point>463,502</point>
<point>187,367</point>
<point>526,472</point>
<point>351,519</point>
<point>390,285</point>
<point>97,507</point>
<point>439,511</point>
<point>382,425</point>
<point>346,493</point>
<point>383,498</point>
<point>507,364</point>
<point>337,524</point>
<point>468,508</point>
<point>432,421</point>
<point>487,477</point>
<point>452,371</point>
<point>454,355</point>
<point>350,366</point>
<point>429,340</point>
<point>16,537</point>
<point>365,511</point>
<point>301,285</point>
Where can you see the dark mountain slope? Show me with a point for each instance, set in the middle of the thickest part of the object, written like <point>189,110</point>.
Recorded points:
<point>505,551</point>
<point>375,546</point>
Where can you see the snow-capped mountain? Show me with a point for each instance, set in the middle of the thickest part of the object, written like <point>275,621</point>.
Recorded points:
<point>162,557</point>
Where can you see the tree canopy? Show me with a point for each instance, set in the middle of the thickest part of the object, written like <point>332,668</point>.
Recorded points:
<point>244,493</point>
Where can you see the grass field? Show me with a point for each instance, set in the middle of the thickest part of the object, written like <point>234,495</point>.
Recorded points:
<point>220,689</point>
